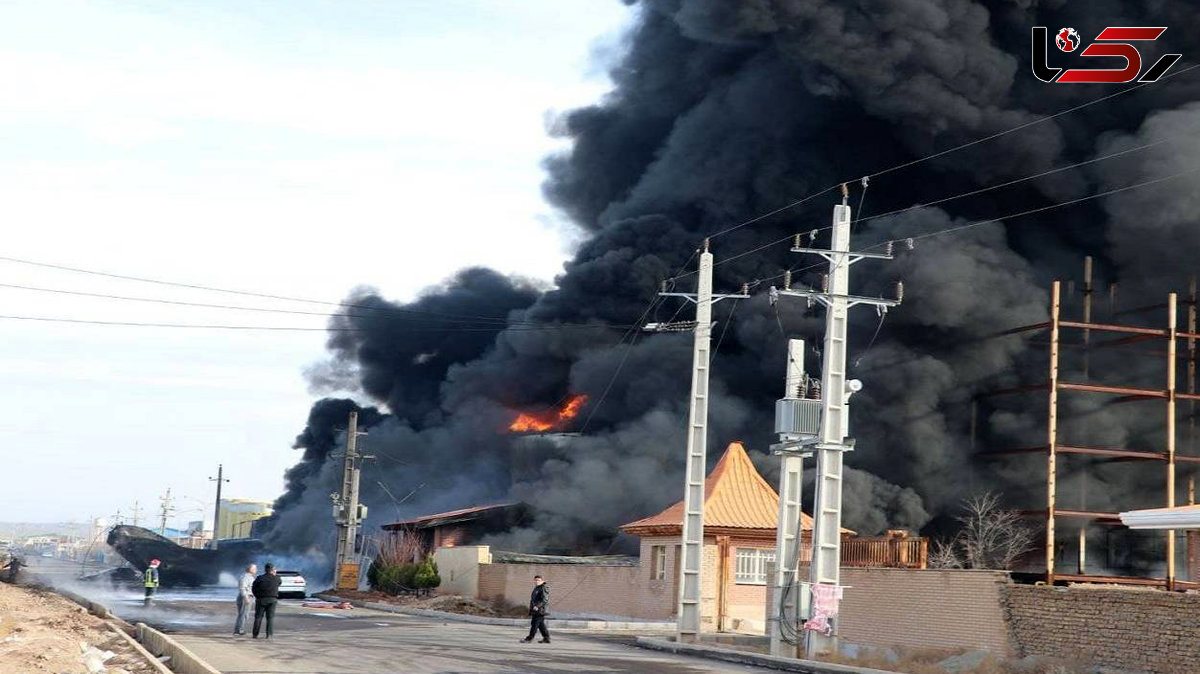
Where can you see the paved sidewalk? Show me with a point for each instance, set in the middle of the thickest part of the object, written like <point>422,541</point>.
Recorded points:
<point>363,641</point>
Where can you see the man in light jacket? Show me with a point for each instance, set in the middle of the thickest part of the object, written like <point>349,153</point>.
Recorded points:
<point>245,599</point>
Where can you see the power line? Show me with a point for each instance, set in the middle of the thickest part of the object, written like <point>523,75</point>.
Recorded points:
<point>1009,216</point>
<point>963,146</point>
<point>954,197</point>
<point>1105,193</point>
<point>1028,124</point>
<point>212,326</point>
<point>248,293</point>
<point>154,300</point>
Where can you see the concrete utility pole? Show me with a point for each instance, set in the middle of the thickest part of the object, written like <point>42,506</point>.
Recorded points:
<point>833,440</point>
<point>164,511</point>
<point>348,513</point>
<point>217,508</point>
<point>785,619</point>
<point>693,495</point>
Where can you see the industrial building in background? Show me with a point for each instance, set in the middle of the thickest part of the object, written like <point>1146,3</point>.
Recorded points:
<point>238,515</point>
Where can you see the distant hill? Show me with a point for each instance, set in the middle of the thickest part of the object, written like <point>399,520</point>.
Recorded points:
<point>23,529</point>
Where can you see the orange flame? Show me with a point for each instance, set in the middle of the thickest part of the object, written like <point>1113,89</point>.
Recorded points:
<point>526,422</point>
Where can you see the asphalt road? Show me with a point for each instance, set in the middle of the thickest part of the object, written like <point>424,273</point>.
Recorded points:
<point>362,641</point>
<point>313,641</point>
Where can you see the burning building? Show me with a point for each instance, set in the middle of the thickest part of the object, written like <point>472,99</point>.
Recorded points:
<point>723,110</point>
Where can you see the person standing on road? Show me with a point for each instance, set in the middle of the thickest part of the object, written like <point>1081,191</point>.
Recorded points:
<point>150,580</point>
<point>14,567</point>
<point>244,599</point>
<point>266,595</point>
<point>539,607</point>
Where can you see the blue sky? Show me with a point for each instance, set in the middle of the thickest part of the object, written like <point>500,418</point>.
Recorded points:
<point>297,148</point>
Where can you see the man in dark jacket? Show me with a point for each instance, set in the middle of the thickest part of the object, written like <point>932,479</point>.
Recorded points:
<point>266,596</point>
<point>539,607</point>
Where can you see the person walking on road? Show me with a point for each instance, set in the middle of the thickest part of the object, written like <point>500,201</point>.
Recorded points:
<point>266,595</point>
<point>245,599</point>
<point>539,607</point>
<point>150,580</point>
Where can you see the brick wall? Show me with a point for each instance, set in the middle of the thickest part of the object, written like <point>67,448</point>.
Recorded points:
<point>925,608</point>
<point>579,590</point>
<point>1125,628</point>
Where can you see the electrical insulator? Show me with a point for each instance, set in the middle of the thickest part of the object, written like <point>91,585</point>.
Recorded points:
<point>890,247</point>
<point>812,236</point>
<point>663,286</point>
<point>910,243</point>
<point>787,280</point>
<point>706,245</point>
<point>899,291</point>
<point>825,283</point>
<point>745,288</point>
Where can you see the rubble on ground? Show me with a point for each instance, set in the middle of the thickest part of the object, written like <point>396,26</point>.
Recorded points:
<point>450,603</point>
<point>43,632</point>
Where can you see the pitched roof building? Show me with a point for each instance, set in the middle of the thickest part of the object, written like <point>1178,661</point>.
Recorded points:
<point>740,515</point>
<point>737,501</point>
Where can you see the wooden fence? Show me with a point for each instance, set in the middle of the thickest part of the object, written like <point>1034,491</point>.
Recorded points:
<point>895,553</point>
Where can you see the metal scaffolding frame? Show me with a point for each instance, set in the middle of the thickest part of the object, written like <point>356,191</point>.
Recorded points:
<point>1054,449</point>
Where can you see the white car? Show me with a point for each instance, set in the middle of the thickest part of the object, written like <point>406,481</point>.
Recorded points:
<point>292,584</point>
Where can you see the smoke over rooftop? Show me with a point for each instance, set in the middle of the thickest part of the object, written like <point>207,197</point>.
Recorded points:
<point>724,109</point>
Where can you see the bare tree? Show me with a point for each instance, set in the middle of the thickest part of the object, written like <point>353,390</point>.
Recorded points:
<point>402,546</point>
<point>991,537</point>
<point>945,555</point>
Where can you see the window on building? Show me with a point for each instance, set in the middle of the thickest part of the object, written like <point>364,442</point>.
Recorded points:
<point>752,565</point>
<point>658,562</point>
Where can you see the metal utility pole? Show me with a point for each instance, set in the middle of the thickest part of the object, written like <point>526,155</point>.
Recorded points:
<point>1172,367</point>
<point>833,440</point>
<point>348,513</point>
<point>137,511</point>
<point>217,508</point>
<point>1087,360</point>
<point>785,618</point>
<point>693,495</point>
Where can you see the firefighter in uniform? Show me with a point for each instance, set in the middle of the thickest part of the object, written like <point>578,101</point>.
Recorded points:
<point>150,578</point>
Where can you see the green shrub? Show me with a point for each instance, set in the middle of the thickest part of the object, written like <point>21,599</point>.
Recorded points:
<point>373,574</point>
<point>427,576</point>
<point>408,575</point>
<point>390,580</point>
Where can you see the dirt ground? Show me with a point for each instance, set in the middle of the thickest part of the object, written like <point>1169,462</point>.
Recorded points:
<point>448,603</point>
<point>41,632</point>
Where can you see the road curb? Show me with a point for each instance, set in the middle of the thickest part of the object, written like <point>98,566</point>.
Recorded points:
<point>153,661</point>
<point>182,660</point>
<point>94,607</point>
<point>111,619</point>
<point>754,659</point>
<point>554,623</point>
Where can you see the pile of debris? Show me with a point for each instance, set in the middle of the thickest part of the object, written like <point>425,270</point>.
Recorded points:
<point>450,603</point>
<point>42,632</point>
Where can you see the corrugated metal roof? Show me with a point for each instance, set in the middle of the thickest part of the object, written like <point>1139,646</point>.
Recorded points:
<point>453,515</point>
<point>735,497</point>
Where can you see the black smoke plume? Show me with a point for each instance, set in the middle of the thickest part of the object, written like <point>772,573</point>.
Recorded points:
<point>723,109</point>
